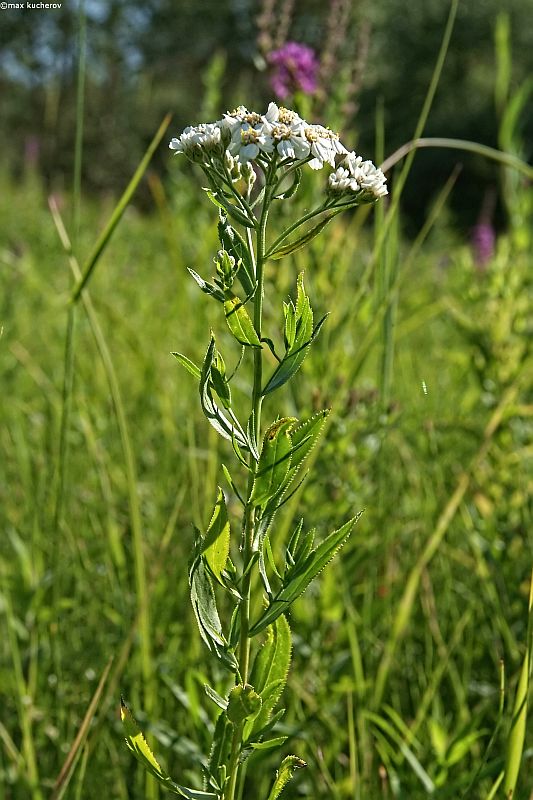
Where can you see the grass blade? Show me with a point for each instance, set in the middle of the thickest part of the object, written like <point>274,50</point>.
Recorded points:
<point>67,770</point>
<point>106,234</point>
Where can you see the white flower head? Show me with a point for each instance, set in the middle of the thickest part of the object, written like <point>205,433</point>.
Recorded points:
<point>248,141</point>
<point>246,134</point>
<point>325,145</point>
<point>286,129</point>
<point>355,176</point>
<point>197,140</point>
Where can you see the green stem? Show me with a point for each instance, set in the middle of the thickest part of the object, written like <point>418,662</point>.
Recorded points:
<point>287,232</point>
<point>249,521</point>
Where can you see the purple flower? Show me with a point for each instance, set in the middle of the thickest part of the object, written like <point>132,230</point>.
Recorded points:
<point>483,239</point>
<point>295,68</point>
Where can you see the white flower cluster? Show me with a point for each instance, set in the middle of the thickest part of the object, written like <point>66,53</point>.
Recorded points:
<point>355,176</point>
<point>247,134</point>
<point>242,136</point>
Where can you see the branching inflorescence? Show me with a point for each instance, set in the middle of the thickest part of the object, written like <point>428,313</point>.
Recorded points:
<point>251,161</point>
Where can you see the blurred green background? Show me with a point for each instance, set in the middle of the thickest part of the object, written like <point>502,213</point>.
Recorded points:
<point>396,687</point>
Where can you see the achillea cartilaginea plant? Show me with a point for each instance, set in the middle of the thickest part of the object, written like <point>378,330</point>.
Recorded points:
<point>252,161</point>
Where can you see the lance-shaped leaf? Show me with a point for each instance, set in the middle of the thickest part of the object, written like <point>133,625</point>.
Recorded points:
<point>232,241</point>
<point>299,334</point>
<point>274,461</point>
<point>220,749</point>
<point>299,579</point>
<point>229,430</point>
<point>270,744</point>
<point>304,438</point>
<point>189,365</point>
<point>239,321</point>
<point>215,546</point>
<point>270,671</point>
<point>142,752</point>
<point>287,769</point>
<point>205,610</point>
<point>206,287</point>
<point>302,241</point>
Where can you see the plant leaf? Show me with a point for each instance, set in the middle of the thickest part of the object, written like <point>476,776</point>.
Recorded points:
<point>303,240</point>
<point>215,697</point>
<point>235,213</point>
<point>299,579</point>
<point>270,671</point>
<point>292,362</point>
<point>215,546</point>
<point>270,744</point>
<point>232,241</point>
<point>221,747</point>
<point>206,287</point>
<point>239,321</point>
<point>299,334</point>
<point>287,769</point>
<point>293,188</point>
<point>142,752</point>
<point>304,438</point>
<point>216,418</point>
<point>189,365</point>
<point>274,461</point>
<point>205,610</point>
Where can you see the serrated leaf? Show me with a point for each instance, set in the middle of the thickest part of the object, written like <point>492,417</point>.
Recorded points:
<point>232,241</point>
<point>307,436</point>
<point>270,671</point>
<point>299,334</point>
<point>221,747</point>
<point>287,769</point>
<point>142,752</point>
<point>243,703</point>
<point>206,287</point>
<point>273,659</point>
<point>223,426</point>
<point>292,362</point>
<point>270,744</point>
<point>304,438</point>
<point>274,461</point>
<point>296,561</point>
<point>215,547</point>
<point>206,613</point>
<point>302,241</point>
<point>299,579</point>
<point>189,365</point>
<point>239,321</point>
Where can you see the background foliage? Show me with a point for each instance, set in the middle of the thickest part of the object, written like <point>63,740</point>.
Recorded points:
<point>146,59</point>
